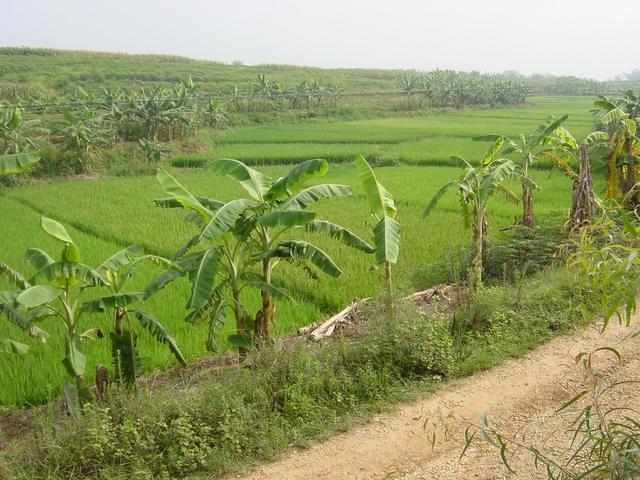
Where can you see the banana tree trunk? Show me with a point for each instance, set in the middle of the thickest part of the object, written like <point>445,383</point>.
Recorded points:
<point>265,317</point>
<point>527,205</point>
<point>631,173</point>
<point>613,172</point>
<point>241,322</point>
<point>583,202</point>
<point>478,238</point>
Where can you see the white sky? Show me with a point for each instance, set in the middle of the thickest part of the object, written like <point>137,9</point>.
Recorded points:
<point>576,37</point>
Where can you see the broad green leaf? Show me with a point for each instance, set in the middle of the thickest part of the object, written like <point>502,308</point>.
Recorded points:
<point>13,276</point>
<point>239,341</point>
<point>71,253</point>
<point>272,290</point>
<point>217,319</point>
<point>38,295</point>
<point>74,361</point>
<point>181,194</point>
<point>311,195</point>
<point>595,137</point>
<point>297,176</point>
<point>17,162</point>
<point>38,258</point>
<point>160,281</point>
<point>56,230</point>
<point>61,273</point>
<point>203,278</point>
<point>209,203</point>
<point>9,296</point>
<point>92,334</point>
<point>286,218</point>
<point>436,198</point>
<point>18,318</point>
<point>545,129</point>
<point>254,182</point>
<point>155,328</point>
<point>223,219</point>
<point>380,201</point>
<point>493,149</point>
<point>340,233</point>
<point>120,259</point>
<point>386,237</point>
<point>299,249</point>
<point>109,302</point>
<point>11,346</point>
<point>614,115</point>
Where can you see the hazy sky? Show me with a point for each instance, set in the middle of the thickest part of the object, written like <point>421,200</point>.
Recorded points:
<point>577,37</point>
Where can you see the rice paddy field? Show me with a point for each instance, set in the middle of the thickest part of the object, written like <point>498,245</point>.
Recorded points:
<point>107,214</point>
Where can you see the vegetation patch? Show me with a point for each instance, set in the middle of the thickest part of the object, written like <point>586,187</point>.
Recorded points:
<point>293,392</point>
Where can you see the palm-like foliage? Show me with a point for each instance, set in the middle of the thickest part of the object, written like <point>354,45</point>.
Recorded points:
<point>243,240</point>
<point>569,151</point>
<point>58,288</point>
<point>17,133</point>
<point>619,117</point>
<point>474,188</point>
<point>527,150</point>
<point>17,162</point>
<point>386,229</point>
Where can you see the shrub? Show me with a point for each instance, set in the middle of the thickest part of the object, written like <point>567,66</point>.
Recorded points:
<point>412,343</point>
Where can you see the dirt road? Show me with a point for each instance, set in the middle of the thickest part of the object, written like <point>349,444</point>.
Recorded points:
<point>519,394</point>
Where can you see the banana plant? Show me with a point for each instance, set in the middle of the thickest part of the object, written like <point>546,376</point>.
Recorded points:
<point>527,150</point>
<point>117,270</point>
<point>246,239</point>
<point>16,133</point>
<point>474,188</point>
<point>16,163</point>
<point>624,148</point>
<point>386,230</point>
<point>57,290</point>
<point>569,151</point>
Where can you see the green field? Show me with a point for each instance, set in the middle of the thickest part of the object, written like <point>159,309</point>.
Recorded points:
<point>426,140</point>
<point>114,212</point>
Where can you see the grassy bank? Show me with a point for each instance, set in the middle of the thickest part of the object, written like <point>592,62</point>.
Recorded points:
<point>229,418</point>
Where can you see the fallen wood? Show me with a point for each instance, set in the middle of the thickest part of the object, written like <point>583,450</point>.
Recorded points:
<point>326,329</point>
<point>316,331</point>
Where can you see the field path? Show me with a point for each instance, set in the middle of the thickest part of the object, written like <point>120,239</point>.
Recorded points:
<point>521,393</point>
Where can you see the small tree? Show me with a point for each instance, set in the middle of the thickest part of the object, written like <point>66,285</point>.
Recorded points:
<point>569,150</point>
<point>57,290</point>
<point>246,238</point>
<point>528,149</point>
<point>16,133</point>
<point>474,188</point>
<point>623,143</point>
<point>386,231</point>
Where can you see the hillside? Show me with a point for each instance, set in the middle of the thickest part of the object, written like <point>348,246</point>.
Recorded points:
<point>60,72</point>
<point>32,72</point>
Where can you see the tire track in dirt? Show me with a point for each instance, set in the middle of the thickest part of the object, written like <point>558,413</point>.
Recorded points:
<point>520,393</point>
